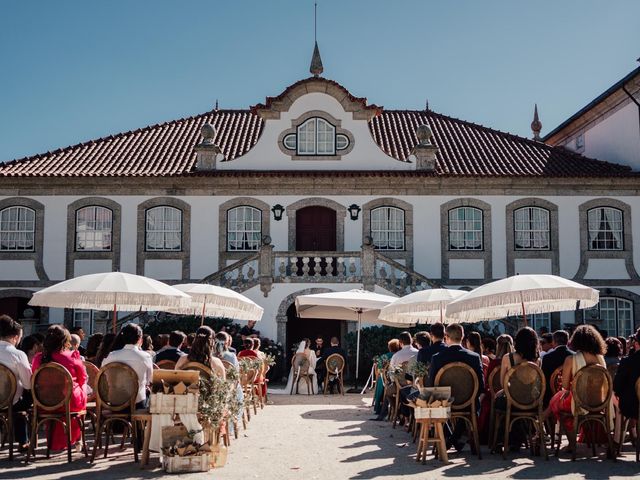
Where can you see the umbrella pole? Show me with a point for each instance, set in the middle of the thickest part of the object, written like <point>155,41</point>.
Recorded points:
<point>355,386</point>
<point>441,313</point>
<point>204,304</point>
<point>524,313</point>
<point>115,316</point>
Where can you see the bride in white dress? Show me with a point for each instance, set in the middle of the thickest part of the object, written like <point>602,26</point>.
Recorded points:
<point>303,348</point>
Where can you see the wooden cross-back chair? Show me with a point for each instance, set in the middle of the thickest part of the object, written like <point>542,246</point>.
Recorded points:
<point>301,366</point>
<point>556,380</point>
<point>51,388</point>
<point>116,390</point>
<point>228,366</point>
<point>167,365</point>
<point>247,379</point>
<point>494,385</point>
<point>8,386</point>
<point>92,375</point>
<point>399,380</point>
<point>625,425</point>
<point>334,366</point>
<point>524,389</point>
<point>591,388</point>
<point>464,389</point>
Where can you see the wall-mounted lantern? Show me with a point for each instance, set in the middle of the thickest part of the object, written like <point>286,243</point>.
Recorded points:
<point>354,211</point>
<point>277,210</point>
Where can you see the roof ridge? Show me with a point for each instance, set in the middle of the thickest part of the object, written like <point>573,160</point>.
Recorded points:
<point>113,136</point>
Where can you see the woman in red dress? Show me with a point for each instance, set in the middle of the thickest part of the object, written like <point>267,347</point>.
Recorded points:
<point>56,349</point>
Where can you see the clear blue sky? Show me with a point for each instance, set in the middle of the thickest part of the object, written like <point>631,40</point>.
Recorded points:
<point>71,71</point>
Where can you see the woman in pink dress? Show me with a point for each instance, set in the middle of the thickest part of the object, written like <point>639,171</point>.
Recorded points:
<point>56,349</point>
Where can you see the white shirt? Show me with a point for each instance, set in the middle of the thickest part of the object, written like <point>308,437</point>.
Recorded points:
<point>139,361</point>
<point>405,354</point>
<point>18,362</point>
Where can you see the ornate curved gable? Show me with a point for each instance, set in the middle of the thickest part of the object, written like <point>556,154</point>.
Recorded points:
<point>274,106</point>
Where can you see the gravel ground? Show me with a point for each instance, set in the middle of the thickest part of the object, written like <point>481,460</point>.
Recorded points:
<point>330,438</point>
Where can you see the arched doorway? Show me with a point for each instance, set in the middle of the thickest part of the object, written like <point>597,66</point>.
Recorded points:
<point>311,328</point>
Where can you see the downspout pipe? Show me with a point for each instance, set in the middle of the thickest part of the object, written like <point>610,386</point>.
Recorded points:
<point>633,99</point>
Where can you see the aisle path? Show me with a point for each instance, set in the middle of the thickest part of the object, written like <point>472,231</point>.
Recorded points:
<point>326,438</point>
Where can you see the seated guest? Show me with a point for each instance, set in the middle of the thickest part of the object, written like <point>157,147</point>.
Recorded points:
<point>31,345</point>
<point>411,391</point>
<point>437,344</point>
<point>93,344</point>
<point>589,348</point>
<point>55,348</point>
<point>406,353</point>
<point>474,343</point>
<point>455,353</point>
<point>147,346</point>
<point>489,347</point>
<point>504,346</point>
<point>614,351</point>
<point>393,346</point>
<point>18,362</point>
<point>422,341</point>
<point>161,342</point>
<point>189,342</point>
<point>126,349</point>
<point>105,348</point>
<point>74,345</point>
<point>222,340</point>
<point>202,352</point>
<point>546,344</point>
<point>247,350</point>
<point>624,383</point>
<point>333,348</point>
<point>256,348</point>
<point>526,350</point>
<point>624,343</point>
<point>554,359</point>
<point>79,331</point>
<point>172,352</point>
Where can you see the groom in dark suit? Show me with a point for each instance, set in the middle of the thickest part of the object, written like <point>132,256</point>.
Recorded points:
<point>334,348</point>
<point>456,353</point>
<point>554,358</point>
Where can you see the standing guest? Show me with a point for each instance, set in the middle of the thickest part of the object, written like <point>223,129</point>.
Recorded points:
<point>248,330</point>
<point>319,350</point>
<point>437,344</point>
<point>79,331</point>
<point>18,362</point>
<point>172,351</point>
<point>202,352</point>
<point>93,344</point>
<point>614,352</point>
<point>555,359</point>
<point>455,353</point>
<point>31,345</point>
<point>546,344</point>
<point>127,350</point>
<point>55,348</point>
<point>147,346</point>
<point>474,343</point>
<point>489,347</point>
<point>392,346</point>
<point>319,347</point>
<point>105,348</point>
<point>589,348</point>
<point>625,380</point>
<point>406,353</point>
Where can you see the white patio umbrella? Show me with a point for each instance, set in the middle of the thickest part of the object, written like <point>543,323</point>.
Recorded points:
<point>425,306</point>
<point>216,301</point>
<point>111,290</point>
<point>519,295</point>
<point>353,305</point>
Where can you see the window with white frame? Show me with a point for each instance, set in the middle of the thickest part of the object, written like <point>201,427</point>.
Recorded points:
<point>84,319</point>
<point>244,229</point>
<point>465,228</point>
<point>616,315</point>
<point>163,229</point>
<point>94,225</point>
<point>605,228</point>
<point>531,228</point>
<point>387,228</point>
<point>316,136</point>
<point>540,320</point>
<point>17,229</point>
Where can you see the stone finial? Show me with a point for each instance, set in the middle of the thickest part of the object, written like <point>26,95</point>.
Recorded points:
<point>425,151</point>
<point>207,152</point>
<point>316,67</point>
<point>536,125</point>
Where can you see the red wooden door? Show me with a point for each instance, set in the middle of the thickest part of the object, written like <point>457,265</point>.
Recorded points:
<point>316,229</point>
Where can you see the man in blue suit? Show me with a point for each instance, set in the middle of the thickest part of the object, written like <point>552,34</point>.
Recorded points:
<point>455,353</point>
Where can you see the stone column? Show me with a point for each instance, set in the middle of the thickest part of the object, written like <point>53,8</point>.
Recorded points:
<point>281,321</point>
<point>265,268</point>
<point>368,267</point>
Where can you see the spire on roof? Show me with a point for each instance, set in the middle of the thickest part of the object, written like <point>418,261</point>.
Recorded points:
<point>316,68</point>
<point>536,125</point>
<point>216,109</point>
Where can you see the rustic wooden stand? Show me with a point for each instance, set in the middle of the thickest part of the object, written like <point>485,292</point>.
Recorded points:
<point>425,439</point>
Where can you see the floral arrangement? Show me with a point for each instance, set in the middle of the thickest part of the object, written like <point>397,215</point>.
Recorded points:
<point>250,363</point>
<point>419,369</point>
<point>270,360</point>
<point>216,398</point>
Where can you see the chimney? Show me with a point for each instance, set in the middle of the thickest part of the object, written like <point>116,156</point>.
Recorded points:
<point>425,151</point>
<point>207,152</point>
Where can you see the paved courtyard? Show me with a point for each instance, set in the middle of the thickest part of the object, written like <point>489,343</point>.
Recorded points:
<point>327,438</point>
